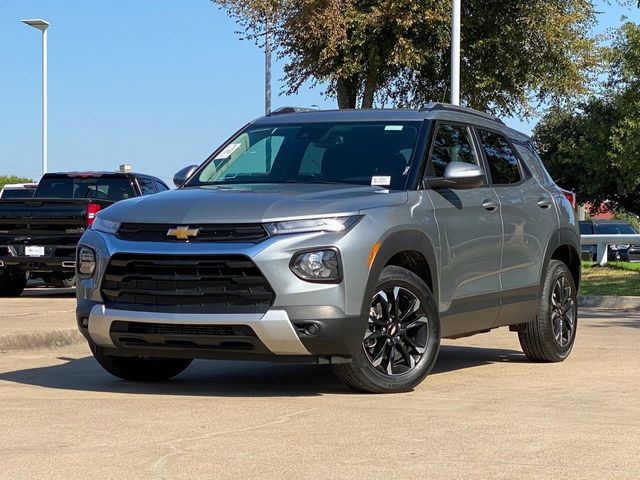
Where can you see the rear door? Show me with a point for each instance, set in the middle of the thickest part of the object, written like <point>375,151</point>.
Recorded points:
<point>470,237</point>
<point>529,218</point>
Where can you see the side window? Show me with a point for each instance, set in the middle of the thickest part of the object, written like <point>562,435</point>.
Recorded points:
<point>146,186</point>
<point>503,163</point>
<point>160,187</point>
<point>453,143</point>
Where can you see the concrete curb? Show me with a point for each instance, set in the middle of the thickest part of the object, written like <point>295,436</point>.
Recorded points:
<point>40,340</point>
<point>609,301</point>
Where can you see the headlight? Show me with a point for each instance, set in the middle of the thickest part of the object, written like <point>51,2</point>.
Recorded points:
<point>86,262</point>
<point>619,247</point>
<point>105,226</point>
<point>317,266</point>
<point>335,224</point>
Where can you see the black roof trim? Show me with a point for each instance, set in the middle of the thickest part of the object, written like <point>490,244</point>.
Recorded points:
<point>435,106</point>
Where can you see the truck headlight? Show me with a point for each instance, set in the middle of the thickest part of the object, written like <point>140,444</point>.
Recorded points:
<point>317,265</point>
<point>105,226</point>
<point>86,262</point>
<point>334,224</point>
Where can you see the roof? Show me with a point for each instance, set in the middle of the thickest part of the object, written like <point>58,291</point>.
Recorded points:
<point>433,111</point>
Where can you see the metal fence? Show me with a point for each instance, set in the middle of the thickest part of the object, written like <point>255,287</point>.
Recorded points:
<point>603,242</point>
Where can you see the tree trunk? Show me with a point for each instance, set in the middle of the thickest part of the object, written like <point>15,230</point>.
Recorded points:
<point>347,93</point>
<point>370,88</point>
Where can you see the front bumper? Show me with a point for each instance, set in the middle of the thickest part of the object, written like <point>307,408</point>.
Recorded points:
<point>331,338</point>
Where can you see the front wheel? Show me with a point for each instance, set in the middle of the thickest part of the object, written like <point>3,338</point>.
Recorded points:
<point>140,369</point>
<point>551,336</point>
<point>402,338</point>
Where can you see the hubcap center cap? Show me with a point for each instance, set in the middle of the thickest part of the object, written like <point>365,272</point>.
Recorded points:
<point>393,329</point>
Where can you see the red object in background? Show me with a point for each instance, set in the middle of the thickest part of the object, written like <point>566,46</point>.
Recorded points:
<point>92,209</point>
<point>571,197</point>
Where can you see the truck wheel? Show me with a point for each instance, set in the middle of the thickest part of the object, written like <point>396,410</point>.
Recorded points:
<point>140,369</point>
<point>12,282</point>
<point>402,337</point>
<point>551,336</point>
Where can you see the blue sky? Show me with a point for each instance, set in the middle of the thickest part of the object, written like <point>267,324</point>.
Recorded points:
<point>154,83</point>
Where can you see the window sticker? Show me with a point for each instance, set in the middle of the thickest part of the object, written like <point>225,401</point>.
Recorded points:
<point>228,150</point>
<point>382,180</point>
<point>395,128</point>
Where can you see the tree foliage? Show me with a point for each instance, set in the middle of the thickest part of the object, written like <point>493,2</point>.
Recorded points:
<point>397,51</point>
<point>6,179</point>
<point>594,148</point>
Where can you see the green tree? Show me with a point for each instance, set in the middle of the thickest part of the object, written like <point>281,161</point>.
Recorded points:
<point>397,51</point>
<point>6,179</point>
<point>594,147</point>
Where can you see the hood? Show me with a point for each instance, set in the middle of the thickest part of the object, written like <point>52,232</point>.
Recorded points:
<point>251,203</point>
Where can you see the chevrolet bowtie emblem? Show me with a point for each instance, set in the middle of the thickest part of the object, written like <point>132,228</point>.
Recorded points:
<point>183,233</point>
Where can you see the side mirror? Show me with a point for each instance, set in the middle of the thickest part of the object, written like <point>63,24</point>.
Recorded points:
<point>460,175</point>
<point>181,177</point>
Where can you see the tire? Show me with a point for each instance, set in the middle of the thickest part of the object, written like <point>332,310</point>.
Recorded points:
<point>551,336</point>
<point>412,343</point>
<point>140,369</point>
<point>12,282</point>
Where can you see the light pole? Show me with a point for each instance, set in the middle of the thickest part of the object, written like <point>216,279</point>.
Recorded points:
<point>42,25</point>
<point>267,69</point>
<point>455,52</point>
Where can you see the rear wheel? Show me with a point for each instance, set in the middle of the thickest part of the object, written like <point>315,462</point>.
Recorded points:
<point>59,281</point>
<point>140,369</point>
<point>12,282</point>
<point>402,338</point>
<point>551,336</point>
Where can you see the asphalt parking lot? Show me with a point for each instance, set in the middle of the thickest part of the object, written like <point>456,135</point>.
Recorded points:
<point>485,412</point>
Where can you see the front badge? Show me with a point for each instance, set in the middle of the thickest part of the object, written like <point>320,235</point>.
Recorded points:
<point>183,233</point>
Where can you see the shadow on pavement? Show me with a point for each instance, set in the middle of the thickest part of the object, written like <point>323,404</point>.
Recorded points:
<point>611,318</point>
<point>233,378</point>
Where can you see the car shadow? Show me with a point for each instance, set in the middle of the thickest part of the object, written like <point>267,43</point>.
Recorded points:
<point>234,378</point>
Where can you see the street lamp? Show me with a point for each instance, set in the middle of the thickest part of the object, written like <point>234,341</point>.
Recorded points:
<point>455,52</point>
<point>42,25</point>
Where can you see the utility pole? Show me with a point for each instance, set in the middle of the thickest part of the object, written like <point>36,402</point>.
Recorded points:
<point>42,25</point>
<point>267,68</point>
<point>455,52</point>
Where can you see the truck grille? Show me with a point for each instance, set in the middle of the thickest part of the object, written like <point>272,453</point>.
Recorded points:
<point>157,232</point>
<point>186,284</point>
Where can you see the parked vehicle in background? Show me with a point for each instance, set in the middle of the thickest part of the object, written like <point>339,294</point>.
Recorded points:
<point>352,238</point>
<point>18,190</point>
<point>38,235</point>
<point>615,252</point>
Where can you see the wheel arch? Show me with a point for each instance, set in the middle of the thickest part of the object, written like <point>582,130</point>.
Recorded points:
<point>411,250</point>
<point>565,247</point>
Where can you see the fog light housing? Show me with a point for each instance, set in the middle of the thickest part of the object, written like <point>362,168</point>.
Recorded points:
<point>321,265</point>
<point>86,263</point>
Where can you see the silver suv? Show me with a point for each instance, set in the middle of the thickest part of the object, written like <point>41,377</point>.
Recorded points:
<point>357,239</point>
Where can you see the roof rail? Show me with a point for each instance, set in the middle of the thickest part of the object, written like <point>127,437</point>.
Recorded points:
<point>283,110</point>
<point>435,106</point>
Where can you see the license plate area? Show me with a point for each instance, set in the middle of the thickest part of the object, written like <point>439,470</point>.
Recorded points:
<point>34,251</point>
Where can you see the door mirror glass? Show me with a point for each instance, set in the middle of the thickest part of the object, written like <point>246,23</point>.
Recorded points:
<point>461,175</point>
<point>181,177</point>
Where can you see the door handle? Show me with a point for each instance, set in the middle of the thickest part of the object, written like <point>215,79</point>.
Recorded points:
<point>490,205</point>
<point>545,203</point>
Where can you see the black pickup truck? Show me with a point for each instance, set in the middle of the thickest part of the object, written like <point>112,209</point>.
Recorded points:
<point>38,235</point>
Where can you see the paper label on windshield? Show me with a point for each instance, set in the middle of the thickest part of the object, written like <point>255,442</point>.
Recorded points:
<point>381,181</point>
<point>228,150</point>
<point>396,128</point>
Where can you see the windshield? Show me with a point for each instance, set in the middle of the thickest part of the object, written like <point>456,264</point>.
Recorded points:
<point>615,229</point>
<point>365,153</point>
<point>101,188</point>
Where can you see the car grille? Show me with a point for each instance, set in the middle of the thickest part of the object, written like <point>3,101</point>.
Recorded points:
<point>634,256</point>
<point>172,329</point>
<point>156,232</point>
<point>186,284</point>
